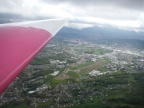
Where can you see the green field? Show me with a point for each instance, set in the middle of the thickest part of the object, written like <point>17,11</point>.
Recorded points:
<point>40,61</point>
<point>73,74</point>
<point>83,69</point>
<point>99,64</point>
<point>82,65</point>
<point>45,104</point>
<point>15,105</point>
<point>54,82</point>
<point>97,51</point>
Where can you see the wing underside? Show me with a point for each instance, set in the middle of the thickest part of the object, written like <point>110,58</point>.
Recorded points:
<point>20,43</point>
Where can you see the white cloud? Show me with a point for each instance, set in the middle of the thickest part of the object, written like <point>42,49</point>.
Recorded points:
<point>78,25</point>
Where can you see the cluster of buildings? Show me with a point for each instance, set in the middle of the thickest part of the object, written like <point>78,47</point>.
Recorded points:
<point>73,54</point>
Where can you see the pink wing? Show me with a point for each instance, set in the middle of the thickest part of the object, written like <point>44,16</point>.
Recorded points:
<point>19,44</point>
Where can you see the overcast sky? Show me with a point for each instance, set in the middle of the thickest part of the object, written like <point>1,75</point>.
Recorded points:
<point>128,14</point>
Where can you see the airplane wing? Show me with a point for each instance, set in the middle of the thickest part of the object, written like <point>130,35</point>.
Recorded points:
<point>20,43</point>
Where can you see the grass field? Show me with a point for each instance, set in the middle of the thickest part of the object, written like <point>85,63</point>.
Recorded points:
<point>101,51</point>
<point>83,69</point>
<point>72,74</point>
<point>45,104</point>
<point>54,82</point>
<point>82,65</point>
<point>16,105</point>
<point>40,61</point>
<point>94,66</point>
<point>97,51</point>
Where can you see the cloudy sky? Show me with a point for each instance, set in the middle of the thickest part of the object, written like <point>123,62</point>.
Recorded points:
<point>127,14</point>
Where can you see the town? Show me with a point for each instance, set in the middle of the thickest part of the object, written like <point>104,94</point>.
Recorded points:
<point>71,72</point>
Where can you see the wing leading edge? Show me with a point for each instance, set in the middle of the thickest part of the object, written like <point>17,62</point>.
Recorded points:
<point>20,43</point>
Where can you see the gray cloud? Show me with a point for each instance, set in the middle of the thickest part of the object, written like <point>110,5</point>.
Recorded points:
<point>9,4</point>
<point>109,9</point>
<point>8,18</point>
<point>123,13</point>
<point>130,4</point>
